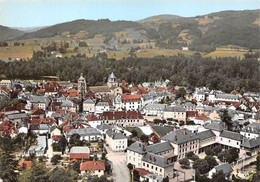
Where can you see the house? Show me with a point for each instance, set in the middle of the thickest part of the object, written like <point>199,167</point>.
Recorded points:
<point>215,97</point>
<point>68,105</point>
<point>93,168</point>
<point>39,128</point>
<point>131,102</point>
<point>189,106</point>
<point>40,148</point>
<point>89,106</point>
<point>154,110</point>
<point>55,131</point>
<point>200,96</point>
<point>17,117</point>
<point>23,127</point>
<point>183,142</point>
<point>207,139</point>
<point>225,168</point>
<point>102,128</point>
<point>101,92</point>
<point>79,153</point>
<point>251,131</point>
<point>93,120</point>
<point>157,158</point>
<point>176,113</point>
<point>158,164</point>
<point>230,139</point>
<point>89,134</point>
<point>122,118</point>
<point>38,113</point>
<point>116,140</point>
<point>38,102</point>
<point>142,173</point>
<point>201,120</point>
<point>101,107</point>
<point>7,128</point>
<point>250,145</point>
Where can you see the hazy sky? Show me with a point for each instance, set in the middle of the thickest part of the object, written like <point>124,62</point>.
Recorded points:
<point>30,13</point>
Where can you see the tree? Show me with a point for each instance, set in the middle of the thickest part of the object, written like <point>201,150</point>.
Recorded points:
<point>209,151</point>
<point>144,138</point>
<point>130,166</point>
<point>37,172</point>
<point>61,174</point>
<point>61,145</point>
<point>134,133</point>
<point>166,179</point>
<point>55,159</point>
<point>185,163</point>
<point>226,118</point>
<point>201,165</point>
<point>211,161</point>
<point>136,175</point>
<point>219,176</point>
<point>75,140</point>
<point>258,162</point>
<point>181,92</point>
<point>83,44</point>
<point>217,150</point>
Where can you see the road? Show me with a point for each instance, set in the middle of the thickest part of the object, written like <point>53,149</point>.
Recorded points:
<point>120,172</point>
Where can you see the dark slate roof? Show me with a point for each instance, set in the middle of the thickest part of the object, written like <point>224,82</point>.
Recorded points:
<point>104,127</point>
<point>174,109</point>
<point>112,76</point>
<point>250,143</point>
<point>179,137</point>
<point>226,168</point>
<point>217,126</point>
<point>157,160</point>
<point>115,135</point>
<point>159,147</point>
<point>205,135</point>
<point>161,131</point>
<point>232,135</point>
<point>138,147</point>
<point>84,132</point>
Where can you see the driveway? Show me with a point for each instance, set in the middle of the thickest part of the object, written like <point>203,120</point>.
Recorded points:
<point>120,171</point>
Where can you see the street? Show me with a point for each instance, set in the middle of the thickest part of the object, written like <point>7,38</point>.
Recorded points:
<point>120,171</point>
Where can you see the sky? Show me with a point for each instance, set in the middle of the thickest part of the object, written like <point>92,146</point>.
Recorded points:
<point>33,13</point>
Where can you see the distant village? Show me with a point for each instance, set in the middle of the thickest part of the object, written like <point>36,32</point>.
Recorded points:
<point>147,132</point>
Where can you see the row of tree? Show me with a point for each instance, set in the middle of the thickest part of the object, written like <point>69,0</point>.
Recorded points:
<point>221,73</point>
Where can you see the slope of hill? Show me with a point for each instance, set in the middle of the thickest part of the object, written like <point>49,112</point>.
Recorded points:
<point>9,33</point>
<point>201,33</point>
<point>103,26</point>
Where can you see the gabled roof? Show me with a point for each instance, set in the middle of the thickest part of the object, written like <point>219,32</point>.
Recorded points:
<point>159,147</point>
<point>206,135</point>
<point>157,160</point>
<point>202,117</point>
<point>231,135</point>
<point>216,126</point>
<point>174,109</point>
<point>37,112</point>
<point>226,168</point>
<point>103,127</point>
<point>92,165</point>
<point>80,150</point>
<point>130,98</point>
<point>180,136</point>
<point>250,143</point>
<point>141,172</point>
<point>115,135</point>
<point>138,147</point>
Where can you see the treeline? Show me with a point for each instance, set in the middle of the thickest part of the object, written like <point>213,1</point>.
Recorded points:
<point>221,73</point>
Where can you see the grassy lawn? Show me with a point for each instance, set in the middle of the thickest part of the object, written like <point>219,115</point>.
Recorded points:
<point>138,130</point>
<point>222,53</point>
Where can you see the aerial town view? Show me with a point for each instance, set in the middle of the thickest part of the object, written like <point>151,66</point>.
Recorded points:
<point>129,91</point>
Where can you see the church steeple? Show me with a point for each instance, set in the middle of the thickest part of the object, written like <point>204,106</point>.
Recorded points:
<point>82,86</point>
<point>112,81</point>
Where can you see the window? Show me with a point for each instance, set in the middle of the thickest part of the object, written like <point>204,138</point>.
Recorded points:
<point>143,164</point>
<point>220,139</point>
<point>99,170</point>
<point>155,168</point>
<point>147,165</point>
<point>237,143</point>
<point>228,141</point>
<point>152,167</point>
<point>161,170</point>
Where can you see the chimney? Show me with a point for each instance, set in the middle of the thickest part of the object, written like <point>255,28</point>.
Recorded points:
<point>184,131</point>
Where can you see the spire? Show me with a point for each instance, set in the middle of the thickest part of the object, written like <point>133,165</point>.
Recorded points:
<point>81,78</point>
<point>112,76</point>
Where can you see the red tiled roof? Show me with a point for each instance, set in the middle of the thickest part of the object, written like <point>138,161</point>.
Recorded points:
<point>91,117</point>
<point>43,120</point>
<point>142,172</point>
<point>17,107</point>
<point>234,92</point>
<point>154,138</point>
<point>51,86</point>
<point>67,128</point>
<point>79,155</point>
<point>25,163</point>
<point>202,117</point>
<point>7,128</point>
<point>37,112</point>
<point>192,113</point>
<point>130,98</point>
<point>7,90</point>
<point>40,91</point>
<point>57,137</point>
<point>92,165</point>
<point>114,115</point>
<point>236,104</point>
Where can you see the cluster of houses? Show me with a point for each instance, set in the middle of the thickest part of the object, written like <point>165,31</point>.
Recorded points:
<point>54,110</point>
